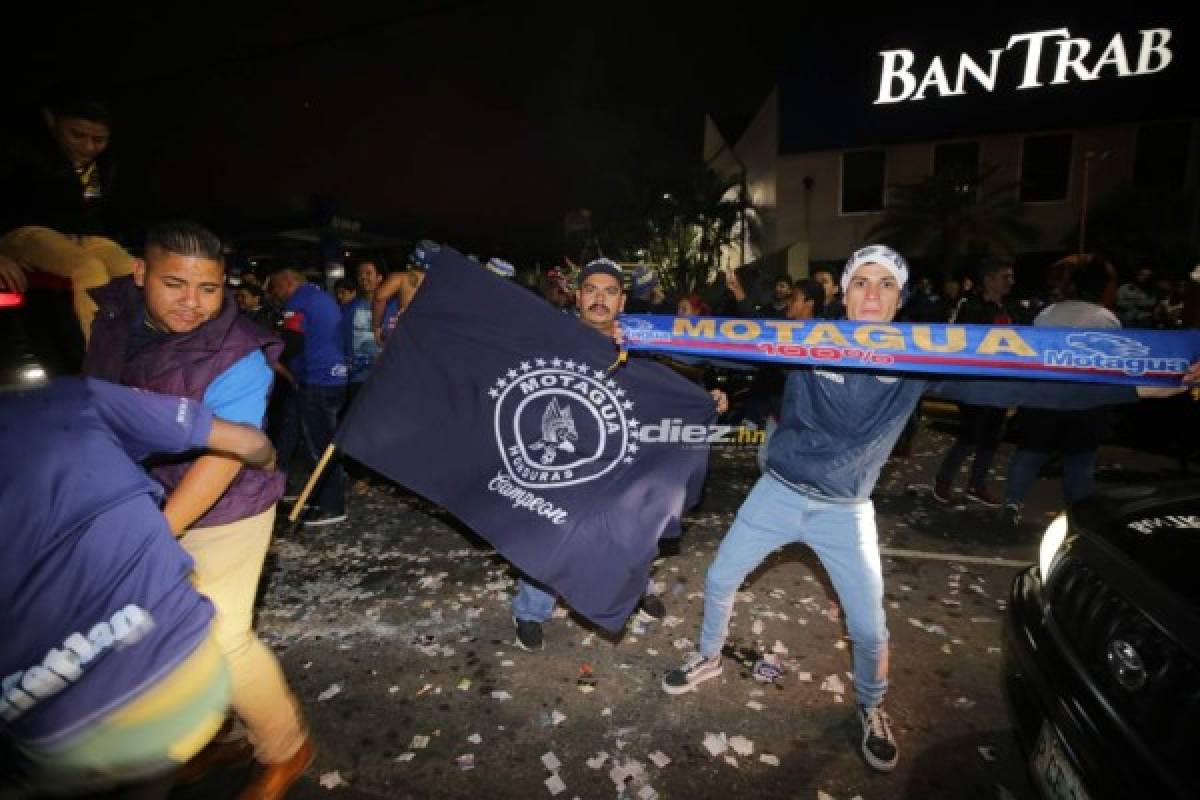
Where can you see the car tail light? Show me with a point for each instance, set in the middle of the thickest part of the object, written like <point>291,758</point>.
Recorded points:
<point>11,299</point>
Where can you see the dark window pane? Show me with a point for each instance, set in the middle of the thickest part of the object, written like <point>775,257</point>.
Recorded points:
<point>1045,168</point>
<point>862,181</point>
<point>961,158</point>
<point>1162,151</point>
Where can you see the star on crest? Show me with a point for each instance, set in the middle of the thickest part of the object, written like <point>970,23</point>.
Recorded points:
<point>525,367</point>
<point>541,362</point>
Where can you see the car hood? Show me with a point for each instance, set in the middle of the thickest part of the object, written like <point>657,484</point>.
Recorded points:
<point>1156,527</point>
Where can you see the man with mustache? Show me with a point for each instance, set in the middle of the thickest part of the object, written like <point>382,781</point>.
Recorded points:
<point>599,298</point>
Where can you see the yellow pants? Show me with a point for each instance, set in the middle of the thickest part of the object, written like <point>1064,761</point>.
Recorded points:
<point>89,261</point>
<point>229,561</point>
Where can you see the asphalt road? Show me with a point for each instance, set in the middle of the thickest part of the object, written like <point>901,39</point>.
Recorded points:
<point>395,632</point>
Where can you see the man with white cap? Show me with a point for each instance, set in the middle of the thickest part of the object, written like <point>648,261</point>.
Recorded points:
<point>835,432</point>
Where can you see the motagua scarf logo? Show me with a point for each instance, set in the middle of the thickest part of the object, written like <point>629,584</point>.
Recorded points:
<point>561,423</point>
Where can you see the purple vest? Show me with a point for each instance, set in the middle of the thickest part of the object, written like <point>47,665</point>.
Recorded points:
<point>184,365</point>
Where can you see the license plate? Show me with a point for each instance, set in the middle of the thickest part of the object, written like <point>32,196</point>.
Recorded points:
<point>1052,772</point>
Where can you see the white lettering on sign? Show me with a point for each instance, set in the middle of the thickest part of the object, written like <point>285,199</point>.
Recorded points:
<point>1068,60</point>
<point>1149,525</point>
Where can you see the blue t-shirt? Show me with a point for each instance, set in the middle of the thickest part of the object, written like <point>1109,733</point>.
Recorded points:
<point>359,335</point>
<point>95,598</point>
<point>239,394</point>
<point>318,318</point>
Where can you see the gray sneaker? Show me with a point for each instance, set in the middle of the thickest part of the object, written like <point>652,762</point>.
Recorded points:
<point>878,744</point>
<point>695,670</point>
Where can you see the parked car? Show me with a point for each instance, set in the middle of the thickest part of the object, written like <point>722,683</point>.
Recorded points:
<point>39,334</point>
<point>1102,647</point>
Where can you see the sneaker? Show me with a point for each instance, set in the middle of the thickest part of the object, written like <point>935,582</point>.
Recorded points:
<point>878,745</point>
<point>652,608</point>
<point>529,635</point>
<point>695,670</point>
<point>1010,515</point>
<point>984,496</point>
<point>941,491</point>
<point>316,519</point>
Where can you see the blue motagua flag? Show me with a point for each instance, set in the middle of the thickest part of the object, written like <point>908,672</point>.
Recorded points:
<point>505,412</point>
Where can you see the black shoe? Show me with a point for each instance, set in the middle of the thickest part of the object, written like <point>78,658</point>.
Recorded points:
<point>694,671</point>
<point>652,607</point>
<point>316,518</point>
<point>529,634</point>
<point>878,745</point>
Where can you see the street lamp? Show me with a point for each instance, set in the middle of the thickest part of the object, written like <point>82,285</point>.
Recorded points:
<point>1088,157</point>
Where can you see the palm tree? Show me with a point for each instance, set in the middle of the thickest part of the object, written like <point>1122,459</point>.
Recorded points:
<point>952,213</point>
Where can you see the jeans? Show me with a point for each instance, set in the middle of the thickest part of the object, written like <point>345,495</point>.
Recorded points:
<point>535,601</point>
<point>980,428</point>
<point>842,535</point>
<point>318,408</point>
<point>1023,470</point>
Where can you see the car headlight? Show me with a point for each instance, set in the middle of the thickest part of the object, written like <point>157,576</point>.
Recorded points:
<point>32,374</point>
<point>1052,541</point>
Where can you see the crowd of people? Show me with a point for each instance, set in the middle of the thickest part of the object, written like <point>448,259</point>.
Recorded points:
<point>215,363</point>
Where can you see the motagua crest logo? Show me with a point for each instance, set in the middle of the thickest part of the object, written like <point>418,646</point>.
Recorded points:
<point>1097,343</point>
<point>561,423</point>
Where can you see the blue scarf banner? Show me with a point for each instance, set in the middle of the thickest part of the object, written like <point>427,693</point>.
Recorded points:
<point>1123,356</point>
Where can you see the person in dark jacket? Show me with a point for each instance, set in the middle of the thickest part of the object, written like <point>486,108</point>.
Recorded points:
<point>55,203</point>
<point>112,674</point>
<point>835,432</point>
<point>173,329</point>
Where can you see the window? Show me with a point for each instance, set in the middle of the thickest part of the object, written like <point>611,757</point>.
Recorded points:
<point>1045,168</point>
<point>1161,158</point>
<point>863,181</point>
<point>961,158</point>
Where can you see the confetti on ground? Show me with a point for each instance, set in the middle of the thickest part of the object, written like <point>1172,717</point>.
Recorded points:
<point>332,780</point>
<point>475,738</point>
<point>419,742</point>
<point>551,762</point>
<point>833,684</point>
<point>557,717</point>
<point>659,759</point>
<point>597,761</point>
<point>742,746</point>
<point>330,693</point>
<point>464,684</point>
<point>769,759</point>
<point>754,705</point>
<point>731,761</point>
<point>409,756</point>
<point>988,753</point>
<point>500,694</point>
<point>715,743</point>
<point>647,793</point>
<point>555,784</point>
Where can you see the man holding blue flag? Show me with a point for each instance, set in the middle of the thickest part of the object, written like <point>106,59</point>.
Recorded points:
<point>599,298</point>
<point>836,429</point>
<point>510,416</point>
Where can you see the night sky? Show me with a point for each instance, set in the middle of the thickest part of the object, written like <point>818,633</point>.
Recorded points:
<point>479,123</point>
<point>475,121</point>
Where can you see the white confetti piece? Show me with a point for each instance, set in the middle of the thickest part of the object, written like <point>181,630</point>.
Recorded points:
<point>715,743</point>
<point>555,785</point>
<point>647,793</point>
<point>731,761</point>
<point>767,758</point>
<point>419,742</point>
<point>332,780</point>
<point>659,759</point>
<point>757,627</point>
<point>597,761</point>
<point>557,717</point>
<point>406,756</point>
<point>833,684</point>
<point>500,694</point>
<point>475,738</point>
<point>330,693</point>
<point>551,762</point>
<point>804,677</point>
<point>754,705</point>
<point>742,746</point>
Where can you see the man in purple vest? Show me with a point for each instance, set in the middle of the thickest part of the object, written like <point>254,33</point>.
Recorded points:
<point>170,328</point>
